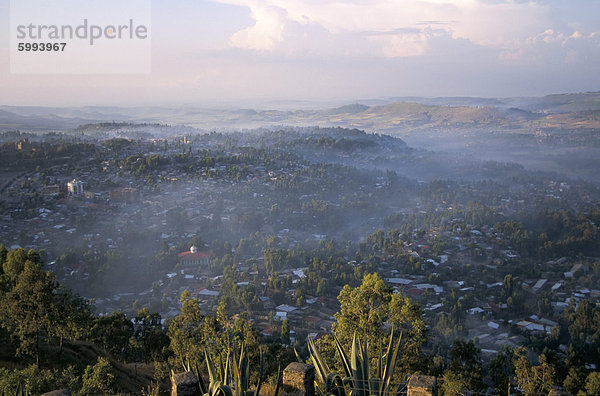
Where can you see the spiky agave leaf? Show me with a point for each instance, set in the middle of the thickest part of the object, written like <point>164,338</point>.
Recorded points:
<point>225,372</point>
<point>343,357</point>
<point>335,385</point>
<point>380,357</point>
<point>260,373</point>
<point>217,388</point>
<point>235,370</point>
<point>298,358</point>
<point>365,361</point>
<point>319,363</point>
<point>203,387</point>
<point>320,366</point>
<point>243,370</point>
<point>356,368</point>
<point>278,380</point>
<point>359,366</point>
<point>390,364</point>
<point>212,375</point>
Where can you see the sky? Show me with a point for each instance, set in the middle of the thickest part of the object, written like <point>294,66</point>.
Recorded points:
<point>258,53</point>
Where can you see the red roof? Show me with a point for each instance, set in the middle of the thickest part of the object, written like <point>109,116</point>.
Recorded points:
<point>193,256</point>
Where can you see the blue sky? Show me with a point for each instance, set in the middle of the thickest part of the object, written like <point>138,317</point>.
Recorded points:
<point>250,52</point>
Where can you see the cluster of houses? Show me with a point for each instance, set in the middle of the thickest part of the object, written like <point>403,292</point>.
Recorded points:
<point>48,210</point>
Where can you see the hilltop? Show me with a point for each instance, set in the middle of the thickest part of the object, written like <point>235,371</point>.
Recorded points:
<point>387,114</point>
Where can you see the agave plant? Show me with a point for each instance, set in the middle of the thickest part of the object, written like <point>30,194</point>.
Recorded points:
<point>222,383</point>
<point>356,369</point>
<point>20,391</point>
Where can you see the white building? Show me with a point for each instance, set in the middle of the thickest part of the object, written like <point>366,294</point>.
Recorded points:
<point>75,187</point>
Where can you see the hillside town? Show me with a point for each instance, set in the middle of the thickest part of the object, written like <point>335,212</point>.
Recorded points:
<point>179,230</point>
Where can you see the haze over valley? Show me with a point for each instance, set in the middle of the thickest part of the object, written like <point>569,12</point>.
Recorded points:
<point>267,198</point>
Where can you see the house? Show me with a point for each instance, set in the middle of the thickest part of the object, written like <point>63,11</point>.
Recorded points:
<point>75,187</point>
<point>194,258</point>
<point>539,285</point>
<point>493,325</point>
<point>126,195</point>
<point>311,322</point>
<point>286,308</point>
<point>24,145</point>
<point>51,190</point>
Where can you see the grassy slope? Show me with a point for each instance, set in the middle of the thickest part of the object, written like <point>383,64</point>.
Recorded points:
<point>131,378</point>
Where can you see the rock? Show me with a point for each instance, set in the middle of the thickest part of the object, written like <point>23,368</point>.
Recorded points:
<point>556,392</point>
<point>60,392</point>
<point>422,385</point>
<point>299,378</point>
<point>185,384</point>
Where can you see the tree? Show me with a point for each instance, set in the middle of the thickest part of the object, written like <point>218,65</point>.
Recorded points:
<point>99,378</point>
<point>446,326</point>
<point>508,284</point>
<point>584,331</point>
<point>285,332</point>
<point>274,259</point>
<point>14,263</point>
<point>575,380</point>
<point>35,381</point>
<point>533,380</point>
<point>112,332</point>
<point>465,365</point>
<point>365,309</point>
<point>185,331</point>
<point>321,287</point>
<point>501,369</point>
<point>3,254</point>
<point>244,333</point>
<point>27,308</point>
<point>453,384</point>
<point>592,384</point>
<point>71,314</point>
<point>151,335</point>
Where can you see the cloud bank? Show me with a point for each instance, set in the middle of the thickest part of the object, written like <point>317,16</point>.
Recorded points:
<point>400,28</point>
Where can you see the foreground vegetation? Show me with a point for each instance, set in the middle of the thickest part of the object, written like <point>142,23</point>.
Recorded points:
<point>50,339</point>
<point>311,220</point>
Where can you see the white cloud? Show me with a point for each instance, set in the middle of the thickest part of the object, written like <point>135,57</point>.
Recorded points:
<point>266,31</point>
<point>555,46</point>
<point>495,24</point>
<point>402,45</point>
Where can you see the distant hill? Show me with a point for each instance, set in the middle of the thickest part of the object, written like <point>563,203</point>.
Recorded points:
<point>563,103</point>
<point>577,111</point>
<point>349,109</point>
<point>12,121</point>
<point>555,103</point>
<point>414,114</point>
<point>453,101</point>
